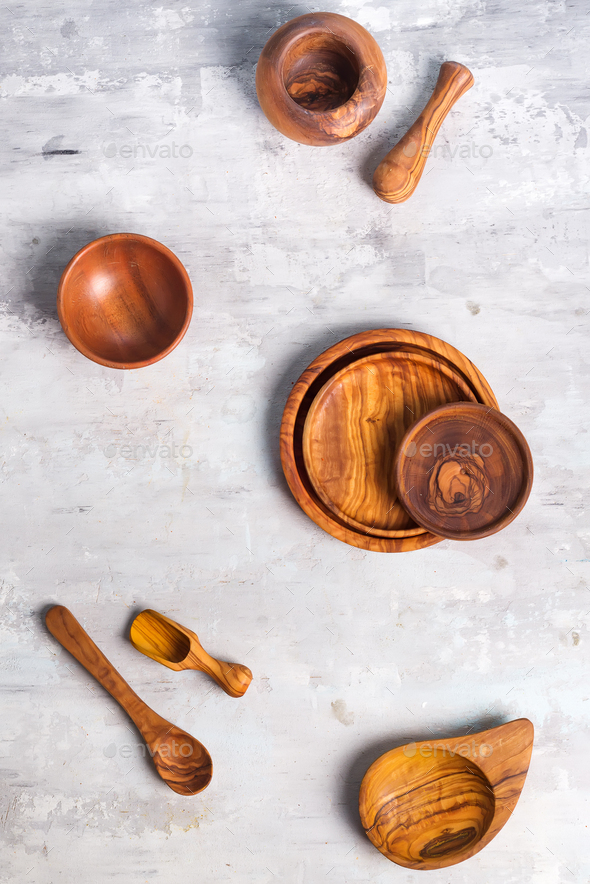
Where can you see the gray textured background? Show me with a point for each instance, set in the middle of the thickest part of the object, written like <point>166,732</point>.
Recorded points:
<point>352,652</point>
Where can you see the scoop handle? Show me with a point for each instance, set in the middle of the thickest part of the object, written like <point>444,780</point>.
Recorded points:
<point>398,174</point>
<point>232,677</point>
<point>63,626</point>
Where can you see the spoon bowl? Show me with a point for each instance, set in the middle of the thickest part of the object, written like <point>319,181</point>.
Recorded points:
<point>153,636</point>
<point>181,760</point>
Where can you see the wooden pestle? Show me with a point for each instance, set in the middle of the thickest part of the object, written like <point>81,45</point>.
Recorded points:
<point>398,174</point>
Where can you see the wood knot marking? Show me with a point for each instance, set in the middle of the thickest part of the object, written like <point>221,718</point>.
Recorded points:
<point>448,842</point>
<point>458,485</point>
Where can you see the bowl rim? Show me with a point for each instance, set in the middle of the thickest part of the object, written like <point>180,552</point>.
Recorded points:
<point>344,39</point>
<point>78,343</point>
<point>375,770</point>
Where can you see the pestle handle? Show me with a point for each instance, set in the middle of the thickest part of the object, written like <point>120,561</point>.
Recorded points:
<point>398,174</point>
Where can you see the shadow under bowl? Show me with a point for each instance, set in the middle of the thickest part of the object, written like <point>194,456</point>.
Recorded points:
<point>125,301</point>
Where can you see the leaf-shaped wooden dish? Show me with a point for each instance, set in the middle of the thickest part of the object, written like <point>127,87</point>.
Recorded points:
<point>433,804</point>
<point>345,418</point>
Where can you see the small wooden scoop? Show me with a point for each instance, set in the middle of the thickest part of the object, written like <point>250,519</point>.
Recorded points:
<point>178,648</point>
<point>183,763</point>
<point>397,176</point>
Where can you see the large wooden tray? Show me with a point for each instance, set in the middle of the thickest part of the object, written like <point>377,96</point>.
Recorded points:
<point>344,419</point>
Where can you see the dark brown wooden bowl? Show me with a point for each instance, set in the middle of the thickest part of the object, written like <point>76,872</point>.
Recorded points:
<point>321,79</point>
<point>125,300</point>
<point>464,471</point>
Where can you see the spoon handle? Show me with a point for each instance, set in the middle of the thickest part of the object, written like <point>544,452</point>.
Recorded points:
<point>232,677</point>
<point>398,174</point>
<point>62,624</point>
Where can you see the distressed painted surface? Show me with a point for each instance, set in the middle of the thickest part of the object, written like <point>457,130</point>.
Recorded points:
<point>141,117</point>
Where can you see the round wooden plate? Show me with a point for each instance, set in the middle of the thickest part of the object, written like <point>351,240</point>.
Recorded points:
<point>464,471</point>
<point>353,473</point>
<point>456,379</point>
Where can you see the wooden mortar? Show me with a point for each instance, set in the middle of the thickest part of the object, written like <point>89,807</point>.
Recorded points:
<point>321,79</point>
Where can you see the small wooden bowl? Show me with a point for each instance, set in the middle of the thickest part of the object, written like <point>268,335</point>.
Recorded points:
<point>433,804</point>
<point>321,79</point>
<point>464,471</point>
<point>125,300</point>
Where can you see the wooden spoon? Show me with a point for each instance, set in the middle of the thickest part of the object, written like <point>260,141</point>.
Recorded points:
<point>178,648</point>
<point>432,804</point>
<point>183,763</point>
<point>398,174</point>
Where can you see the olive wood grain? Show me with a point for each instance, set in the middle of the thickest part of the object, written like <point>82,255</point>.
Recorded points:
<point>464,471</point>
<point>179,648</point>
<point>398,174</point>
<point>321,79</point>
<point>381,401</point>
<point>375,399</point>
<point>435,803</point>
<point>125,300</point>
<point>182,761</point>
